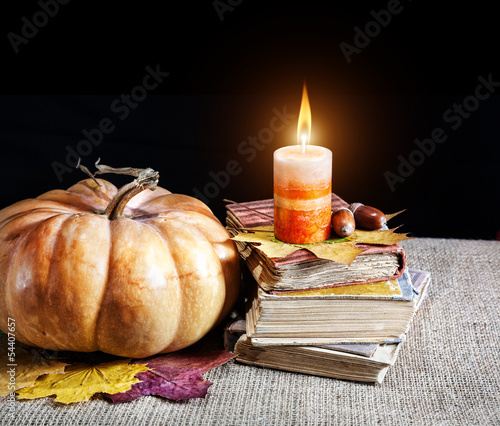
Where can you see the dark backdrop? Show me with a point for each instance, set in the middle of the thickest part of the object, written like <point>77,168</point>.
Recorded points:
<point>225,85</point>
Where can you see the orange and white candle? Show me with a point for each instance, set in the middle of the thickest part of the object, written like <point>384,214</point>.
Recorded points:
<point>302,187</point>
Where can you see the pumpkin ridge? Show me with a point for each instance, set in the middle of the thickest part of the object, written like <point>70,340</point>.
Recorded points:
<point>107,342</point>
<point>183,203</point>
<point>26,238</point>
<point>51,268</point>
<point>105,289</point>
<point>167,247</point>
<point>22,237</point>
<point>92,190</point>
<point>190,217</point>
<point>30,211</point>
<point>30,227</point>
<point>219,241</point>
<point>17,242</point>
<point>182,276</point>
<point>84,195</point>
<point>57,276</point>
<point>27,233</point>
<point>143,198</point>
<point>158,231</point>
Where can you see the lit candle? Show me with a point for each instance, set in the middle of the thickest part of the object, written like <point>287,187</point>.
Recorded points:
<point>302,186</point>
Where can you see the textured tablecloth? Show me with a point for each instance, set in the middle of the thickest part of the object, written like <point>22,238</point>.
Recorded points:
<point>447,372</point>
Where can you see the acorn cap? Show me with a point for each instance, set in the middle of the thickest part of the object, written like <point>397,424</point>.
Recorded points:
<point>367,217</point>
<point>354,206</point>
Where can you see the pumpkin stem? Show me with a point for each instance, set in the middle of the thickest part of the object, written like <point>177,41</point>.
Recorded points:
<point>145,179</point>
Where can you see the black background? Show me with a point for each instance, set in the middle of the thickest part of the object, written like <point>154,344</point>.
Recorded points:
<point>230,70</point>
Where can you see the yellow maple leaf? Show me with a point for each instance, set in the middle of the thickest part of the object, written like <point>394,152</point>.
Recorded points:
<point>386,237</point>
<point>256,235</point>
<point>388,217</point>
<point>80,381</point>
<point>264,236</point>
<point>25,367</point>
<point>339,252</point>
<point>343,252</point>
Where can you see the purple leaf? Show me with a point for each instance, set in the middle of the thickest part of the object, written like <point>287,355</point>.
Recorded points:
<point>176,375</point>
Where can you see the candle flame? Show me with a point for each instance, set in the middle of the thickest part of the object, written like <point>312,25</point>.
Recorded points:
<point>304,124</point>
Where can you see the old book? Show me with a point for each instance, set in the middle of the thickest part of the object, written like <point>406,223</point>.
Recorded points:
<point>373,312</point>
<point>302,269</point>
<point>237,328</point>
<point>319,361</point>
<point>353,361</point>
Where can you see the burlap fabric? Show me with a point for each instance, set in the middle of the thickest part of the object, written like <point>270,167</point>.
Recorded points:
<point>447,372</point>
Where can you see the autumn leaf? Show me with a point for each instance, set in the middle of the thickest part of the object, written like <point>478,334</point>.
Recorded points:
<point>175,376</point>
<point>342,252</point>
<point>388,217</point>
<point>338,250</point>
<point>26,367</point>
<point>80,381</point>
<point>386,237</point>
<point>264,236</point>
<point>272,247</point>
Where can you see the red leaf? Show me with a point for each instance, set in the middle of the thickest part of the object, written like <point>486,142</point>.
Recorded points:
<point>176,375</point>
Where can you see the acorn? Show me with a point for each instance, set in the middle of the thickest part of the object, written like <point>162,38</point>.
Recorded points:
<point>343,222</point>
<point>367,217</point>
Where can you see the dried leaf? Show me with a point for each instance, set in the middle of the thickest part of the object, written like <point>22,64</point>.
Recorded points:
<point>256,235</point>
<point>80,381</point>
<point>387,237</point>
<point>267,243</point>
<point>388,217</point>
<point>331,240</point>
<point>336,249</point>
<point>25,366</point>
<point>341,252</point>
<point>176,375</point>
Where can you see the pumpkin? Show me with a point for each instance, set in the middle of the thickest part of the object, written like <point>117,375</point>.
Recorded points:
<point>130,272</point>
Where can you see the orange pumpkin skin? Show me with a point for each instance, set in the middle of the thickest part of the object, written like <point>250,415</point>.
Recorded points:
<point>154,281</point>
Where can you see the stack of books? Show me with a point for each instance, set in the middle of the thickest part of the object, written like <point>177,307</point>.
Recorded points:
<point>320,317</point>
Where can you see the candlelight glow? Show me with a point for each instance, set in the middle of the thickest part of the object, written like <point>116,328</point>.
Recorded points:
<point>304,124</point>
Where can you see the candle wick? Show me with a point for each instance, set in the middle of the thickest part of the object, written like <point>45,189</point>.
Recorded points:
<point>304,140</point>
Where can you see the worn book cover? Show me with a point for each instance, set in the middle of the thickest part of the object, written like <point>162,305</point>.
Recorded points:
<point>365,313</point>
<point>350,361</point>
<point>320,361</point>
<point>302,269</point>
